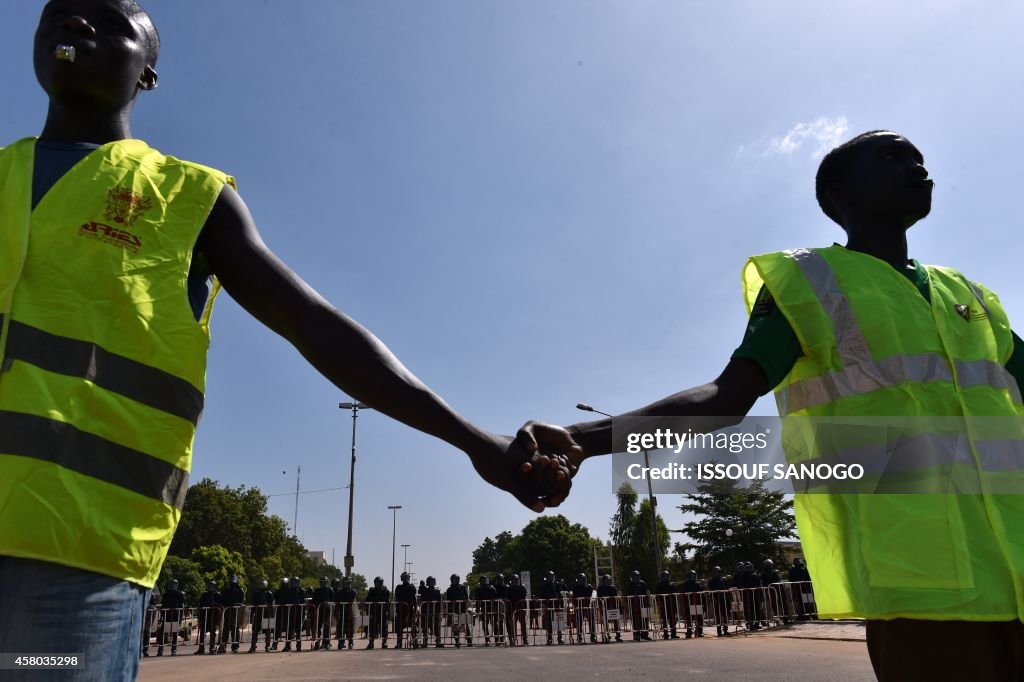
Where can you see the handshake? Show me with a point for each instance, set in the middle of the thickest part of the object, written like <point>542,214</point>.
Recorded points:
<point>536,467</point>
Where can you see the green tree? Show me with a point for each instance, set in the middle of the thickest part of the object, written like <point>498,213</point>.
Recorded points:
<point>187,573</point>
<point>757,517</point>
<point>234,518</point>
<point>634,539</point>
<point>551,543</point>
<point>217,563</point>
<point>493,556</point>
<point>360,585</point>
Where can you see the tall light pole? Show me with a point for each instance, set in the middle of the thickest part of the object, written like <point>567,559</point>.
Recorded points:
<point>650,494</point>
<point>405,558</point>
<point>394,530</point>
<point>732,547</point>
<point>355,407</point>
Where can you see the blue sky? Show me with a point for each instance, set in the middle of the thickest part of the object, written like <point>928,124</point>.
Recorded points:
<point>536,204</point>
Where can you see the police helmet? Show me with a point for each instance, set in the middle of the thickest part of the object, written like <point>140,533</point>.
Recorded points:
<point>172,584</point>
<point>431,581</point>
<point>378,581</point>
<point>454,578</point>
<point>263,584</point>
<point>234,579</point>
<point>211,586</point>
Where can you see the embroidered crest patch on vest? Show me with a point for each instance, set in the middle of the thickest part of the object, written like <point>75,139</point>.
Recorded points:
<point>125,206</point>
<point>963,311</point>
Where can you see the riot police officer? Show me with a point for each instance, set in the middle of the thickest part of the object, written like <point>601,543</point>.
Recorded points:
<point>583,608</point>
<point>803,593</point>
<point>486,606</point>
<point>749,585</point>
<point>209,617</point>
<point>608,594</point>
<point>378,603</point>
<point>516,595</point>
<point>430,612</point>
<point>771,580</point>
<point>295,601</point>
<point>151,621</point>
<point>638,606</point>
<point>323,602</point>
<point>174,605</point>
<point>694,606</point>
<point>458,609</point>
<point>503,619</point>
<point>551,596</point>
<point>666,592</point>
<point>345,597</point>
<point>721,600</point>
<point>405,613</point>
<point>262,612</point>
<point>232,599</point>
<point>282,596</point>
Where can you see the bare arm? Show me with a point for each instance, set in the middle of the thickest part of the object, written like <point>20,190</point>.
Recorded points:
<point>350,356</point>
<point>726,400</point>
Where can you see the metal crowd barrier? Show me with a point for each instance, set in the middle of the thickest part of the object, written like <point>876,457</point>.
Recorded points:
<point>456,623</point>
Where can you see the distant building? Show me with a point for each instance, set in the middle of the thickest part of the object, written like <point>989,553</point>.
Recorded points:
<point>318,556</point>
<point>792,550</point>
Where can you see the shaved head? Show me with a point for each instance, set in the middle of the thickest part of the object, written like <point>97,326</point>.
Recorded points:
<point>136,11</point>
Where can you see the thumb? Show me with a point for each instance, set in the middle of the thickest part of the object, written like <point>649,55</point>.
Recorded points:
<point>525,437</point>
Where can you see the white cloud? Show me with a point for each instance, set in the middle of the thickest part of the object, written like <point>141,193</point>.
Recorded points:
<point>821,133</point>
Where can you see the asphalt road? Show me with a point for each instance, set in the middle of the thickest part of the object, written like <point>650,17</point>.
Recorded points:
<point>761,657</point>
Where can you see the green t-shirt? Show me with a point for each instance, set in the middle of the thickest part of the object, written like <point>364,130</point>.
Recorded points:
<point>771,343</point>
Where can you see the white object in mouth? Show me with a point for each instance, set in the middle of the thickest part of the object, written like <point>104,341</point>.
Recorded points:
<point>65,53</point>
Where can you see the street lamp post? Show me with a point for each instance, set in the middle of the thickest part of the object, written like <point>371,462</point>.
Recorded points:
<point>394,530</point>
<point>732,547</point>
<point>650,494</point>
<point>355,407</point>
<point>405,558</point>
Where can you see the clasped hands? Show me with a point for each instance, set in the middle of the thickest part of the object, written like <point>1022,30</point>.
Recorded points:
<point>536,466</point>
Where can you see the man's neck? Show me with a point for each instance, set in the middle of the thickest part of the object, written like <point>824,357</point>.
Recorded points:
<point>887,245</point>
<point>76,123</point>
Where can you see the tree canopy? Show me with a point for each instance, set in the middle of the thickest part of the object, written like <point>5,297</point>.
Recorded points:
<point>633,537</point>
<point>757,517</point>
<point>547,543</point>
<point>227,530</point>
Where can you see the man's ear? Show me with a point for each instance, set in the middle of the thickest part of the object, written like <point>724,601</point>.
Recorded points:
<point>148,79</point>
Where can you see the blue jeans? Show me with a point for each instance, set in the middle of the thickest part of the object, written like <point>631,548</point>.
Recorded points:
<point>51,609</point>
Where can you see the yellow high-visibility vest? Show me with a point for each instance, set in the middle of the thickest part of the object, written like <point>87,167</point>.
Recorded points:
<point>102,362</point>
<point>939,433</point>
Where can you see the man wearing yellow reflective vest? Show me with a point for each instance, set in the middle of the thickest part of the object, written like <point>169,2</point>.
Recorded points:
<point>111,255</point>
<point>865,332</point>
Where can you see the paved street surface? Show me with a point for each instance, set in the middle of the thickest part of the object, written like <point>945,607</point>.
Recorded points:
<point>807,651</point>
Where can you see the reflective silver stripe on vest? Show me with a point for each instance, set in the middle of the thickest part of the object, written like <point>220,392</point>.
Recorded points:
<point>921,452</point>
<point>987,373</point>
<point>148,385</point>
<point>862,374</point>
<point>850,342</point>
<point>27,435</point>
